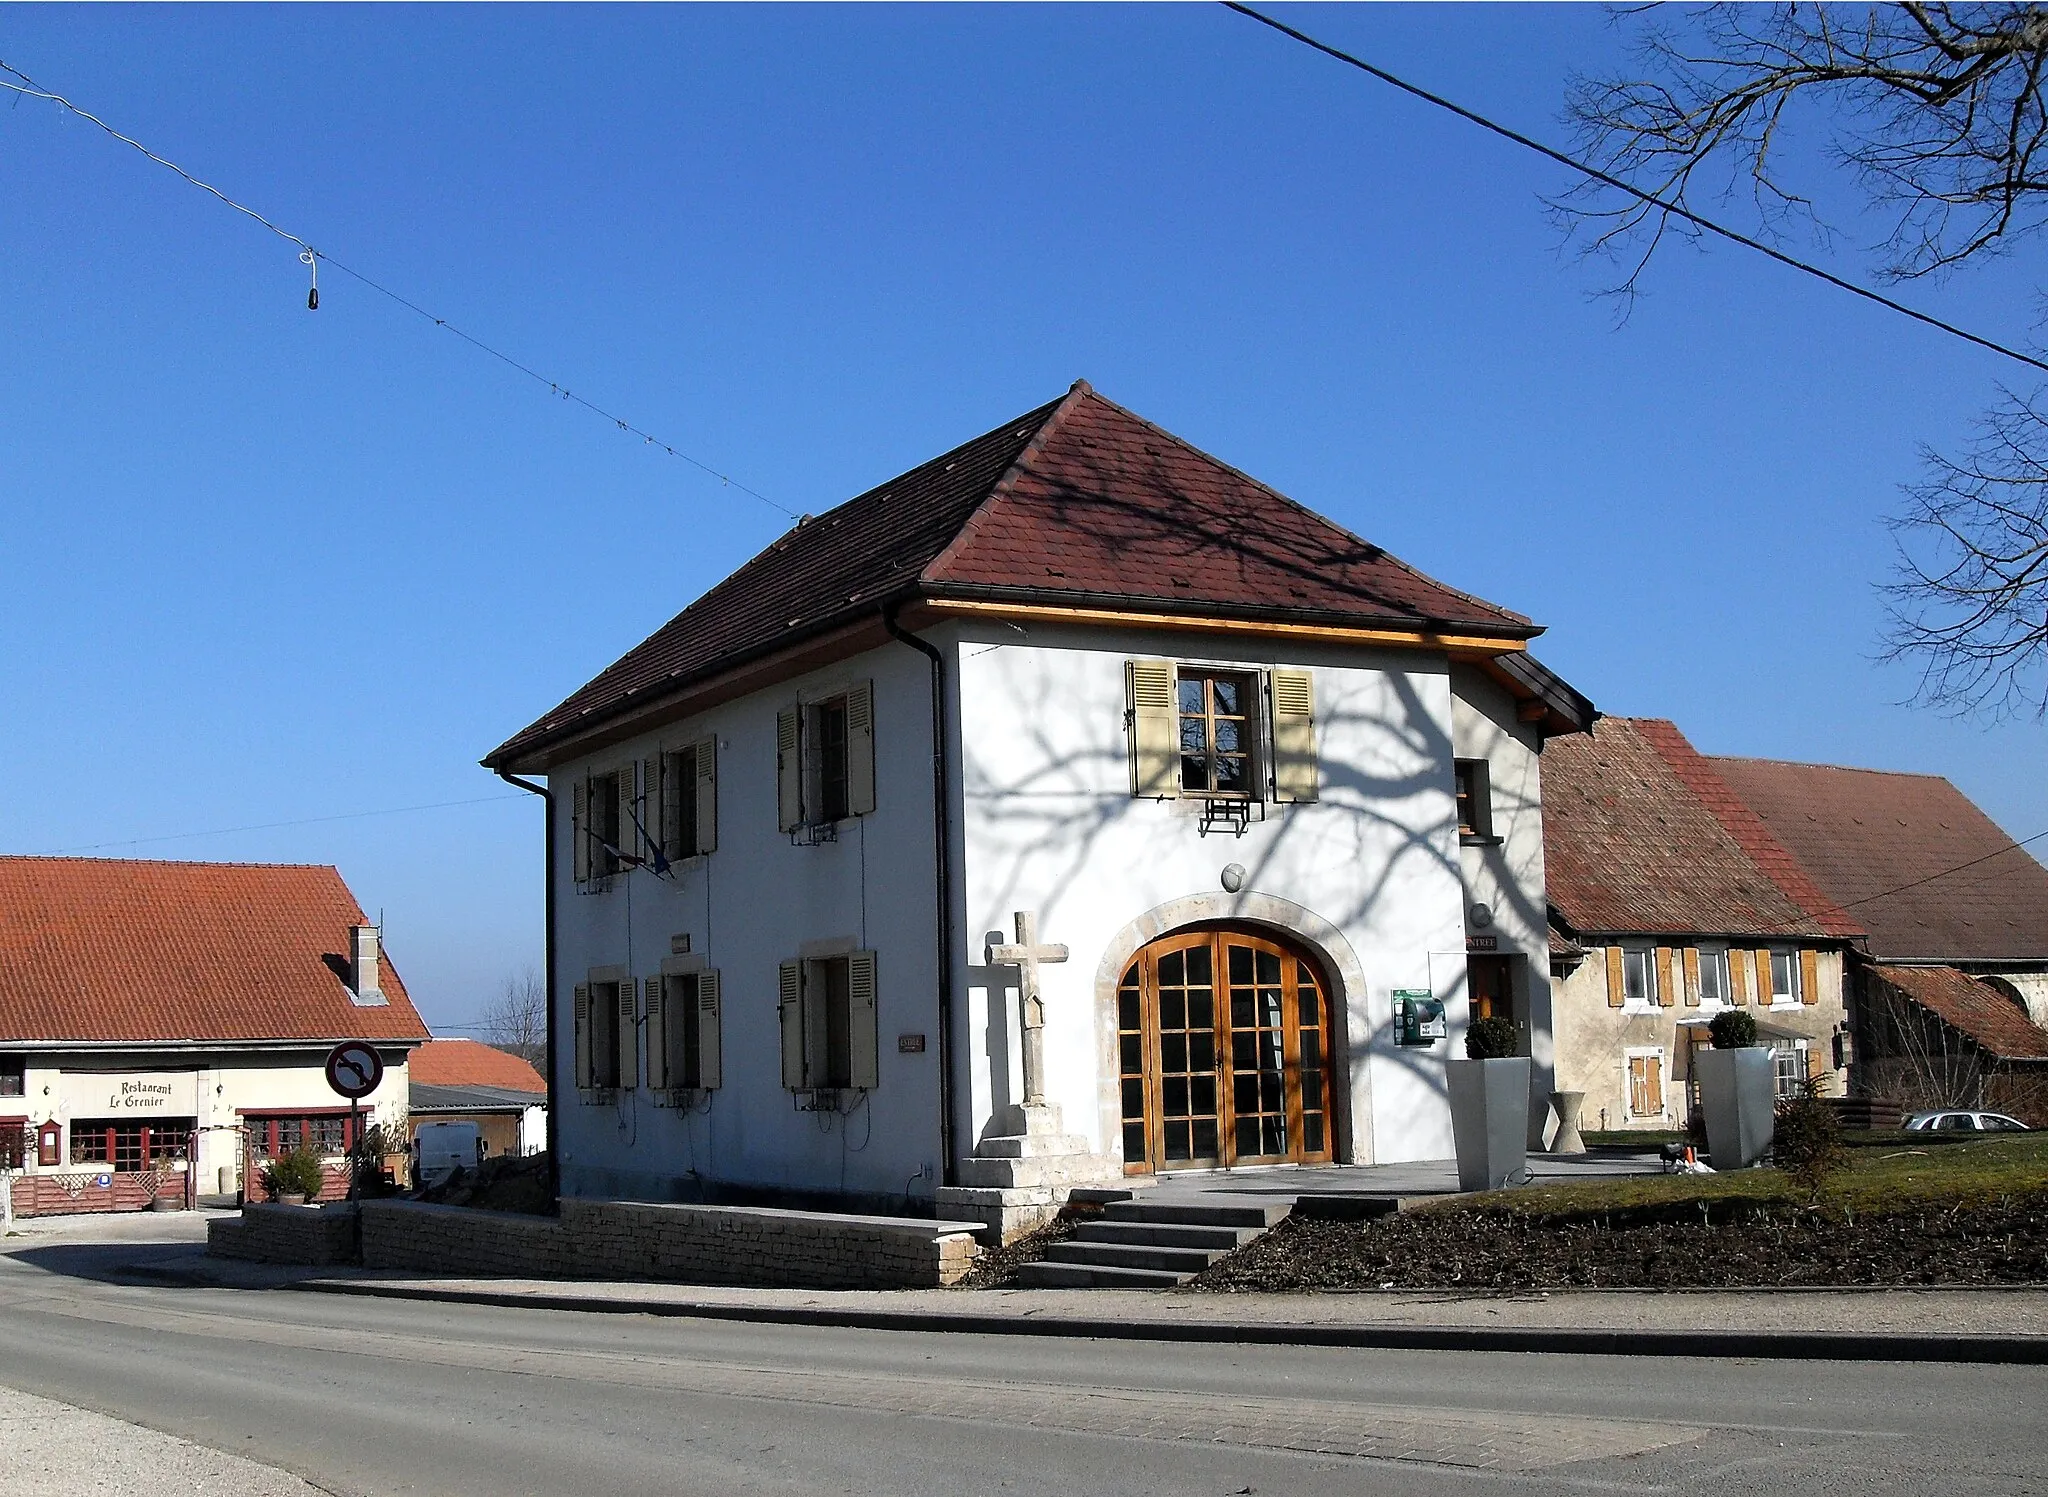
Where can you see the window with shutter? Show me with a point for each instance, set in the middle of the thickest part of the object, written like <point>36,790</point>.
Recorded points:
<point>679,803</point>
<point>790,1012</point>
<point>1809,977</point>
<point>1474,789</point>
<point>1218,727</point>
<point>1295,773</point>
<point>1714,987</point>
<point>864,1050</point>
<point>1617,993</point>
<point>1665,996</point>
<point>1638,977</point>
<point>629,1034</point>
<point>860,749</point>
<point>1691,964</point>
<point>659,1010</point>
<point>579,825</point>
<point>1782,983</point>
<point>1738,976</point>
<point>585,1074</point>
<point>606,1042</point>
<point>789,769</point>
<point>1155,729</point>
<point>602,815</point>
<point>710,1051</point>
<point>829,1025</point>
<point>1646,1084</point>
<point>705,762</point>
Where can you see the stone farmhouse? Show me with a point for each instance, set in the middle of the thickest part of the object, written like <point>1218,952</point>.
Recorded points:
<point>1070,807</point>
<point>1671,901</point>
<point>163,1025</point>
<point>1951,984</point>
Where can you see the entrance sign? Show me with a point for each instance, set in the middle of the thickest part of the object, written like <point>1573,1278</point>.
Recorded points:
<point>354,1068</point>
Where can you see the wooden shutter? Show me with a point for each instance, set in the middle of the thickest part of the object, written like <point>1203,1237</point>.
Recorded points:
<point>706,757</point>
<point>1809,978</point>
<point>1155,729</point>
<point>1738,978</point>
<point>670,826</point>
<point>709,1072</point>
<point>654,797</point>
<point>861,1027</point>
<point>582,1028</point>
<point>790,1005</point>
<point>1653,1084</point>
<point>1692,977</point>
<point>789,769</point>
<point>629,1034</point>
<point>1617,991</point>
<point>579,840</point>
<point>629,811</point>
<point>1294,736</point>
<point>1638,1079</point>
<point>1816,1062</point>
<point>1766,990</point>
<point>657,1032</point>
<point>860,749</point>
<point>1665,996</point>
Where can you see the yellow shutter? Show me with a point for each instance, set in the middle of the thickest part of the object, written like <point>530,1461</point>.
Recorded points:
<point>861,1024</point>
<point>579,841</point>
<point>629,1034</point>
<point>1665,996</point>
<point>1294,736</point>
<point>860,749</point>
<point>1155,729</point>
<point>789,769</point>
<point>707,797</point>
<point>1738,975</point>
<point>1653,1084</point>
<point>790,1006</point>
<point>1816,1062</point>
<point>657,1032</point>
<point>1766,990</point>
<point>1692,977</point>
<point>1638,1083</point>
<point>710,1073</point>
<point>1809,977</point>
<point>1617,994</point>
<point>582,1029</point>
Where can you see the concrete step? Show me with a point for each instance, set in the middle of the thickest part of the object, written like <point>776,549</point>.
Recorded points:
<point>1030,1145</point>
<point>1027,1171</point>
<point>1046,1274</point>
<point>1165,1234</point>
<point>1261,1214</point>
<point>1180,1260</point>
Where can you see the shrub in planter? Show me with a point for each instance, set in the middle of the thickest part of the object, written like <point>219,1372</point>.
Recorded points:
<point>1489,1097</point>
<point>297,1173</point>
<point>1807,1142</point>
<point>1490,1039</point>
<point>1732,1029</point>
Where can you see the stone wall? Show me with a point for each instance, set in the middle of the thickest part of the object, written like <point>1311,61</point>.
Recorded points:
<point>733,1245</point>
<point>316,1235</point>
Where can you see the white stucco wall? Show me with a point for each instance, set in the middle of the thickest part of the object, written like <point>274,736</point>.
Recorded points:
<point>753,903</point>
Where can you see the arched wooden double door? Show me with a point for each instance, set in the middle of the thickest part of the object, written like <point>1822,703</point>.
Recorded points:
<point>1223,1044</point>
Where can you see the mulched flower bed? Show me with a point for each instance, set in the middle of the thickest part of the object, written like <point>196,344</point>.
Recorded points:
<point>996,1268</point>
<point>2001,1241</point>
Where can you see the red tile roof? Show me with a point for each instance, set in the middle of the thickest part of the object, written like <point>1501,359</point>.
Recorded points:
<point>1050,507</point>
<point>112,950</point>
<point>1637,839</point>
<point>469,1063</point>
<point>1908,856</point>
<point>1980,1011</point>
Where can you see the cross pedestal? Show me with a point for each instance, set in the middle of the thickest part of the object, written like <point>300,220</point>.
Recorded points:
<point>1020,1178</point>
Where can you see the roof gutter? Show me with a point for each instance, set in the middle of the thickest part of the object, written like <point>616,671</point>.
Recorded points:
<point>942,863</point>
<point>548,982</point>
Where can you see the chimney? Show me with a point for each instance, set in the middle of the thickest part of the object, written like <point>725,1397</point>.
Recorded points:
<point>362,962</point>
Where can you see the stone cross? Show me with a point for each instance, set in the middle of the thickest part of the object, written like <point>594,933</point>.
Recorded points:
<point>1025,954</point>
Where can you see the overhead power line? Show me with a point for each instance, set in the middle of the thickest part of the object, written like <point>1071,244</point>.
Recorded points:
<point>271,826</point>
<point>1677,210</point>
<point>311,256</point>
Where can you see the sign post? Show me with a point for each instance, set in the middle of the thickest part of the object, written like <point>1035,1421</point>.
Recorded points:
<point>354,1069</point>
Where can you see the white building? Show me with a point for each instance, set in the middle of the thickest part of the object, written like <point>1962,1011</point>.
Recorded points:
<point>1262,781</point>
<point>164,1025</point>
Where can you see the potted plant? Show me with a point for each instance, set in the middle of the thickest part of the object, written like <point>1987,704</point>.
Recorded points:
<point>1736,1092</point>
<point>1489,1094</point>
<point>295,1178</point>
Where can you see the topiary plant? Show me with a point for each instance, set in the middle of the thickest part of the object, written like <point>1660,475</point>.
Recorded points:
<point>1732,1030</point>
<point>1490,1039</point>
<point>297,1173</point>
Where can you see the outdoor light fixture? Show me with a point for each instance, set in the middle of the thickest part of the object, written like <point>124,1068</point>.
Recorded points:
<point>1233,877</point>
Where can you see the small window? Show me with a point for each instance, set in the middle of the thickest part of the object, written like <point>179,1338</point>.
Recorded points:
<point>1784,977</point>
<point>1639,977</point>
<point>604,1034</point>
<point>1475,801</point>
<point>601,824</point>
<point>13,1075</point>
<point>679,803</point>
<point>1217,723</point>
<point>828,1023</point>
<point>1788,1068</point>
<point>123,1145</point>
<point>828,740</point>
<point>1713,976</point>
<point>684,1038</point>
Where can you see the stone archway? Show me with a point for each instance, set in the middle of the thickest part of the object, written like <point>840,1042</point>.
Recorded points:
<point>1345,977</point>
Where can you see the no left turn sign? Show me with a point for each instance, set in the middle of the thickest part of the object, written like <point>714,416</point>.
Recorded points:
<point>354,1068</point>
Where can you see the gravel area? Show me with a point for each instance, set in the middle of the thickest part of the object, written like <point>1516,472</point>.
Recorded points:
<point>55,1450</point>
<point>1995,1243</point>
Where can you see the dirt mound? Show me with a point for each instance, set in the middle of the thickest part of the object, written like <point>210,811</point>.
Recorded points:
<point>510,1182</point>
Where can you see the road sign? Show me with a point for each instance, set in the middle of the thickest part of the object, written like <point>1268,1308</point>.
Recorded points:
<point>354,1068</point>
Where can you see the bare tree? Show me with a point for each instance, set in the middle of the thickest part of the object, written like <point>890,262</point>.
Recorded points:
<point>1940,115</point>
<point>517,1019</point>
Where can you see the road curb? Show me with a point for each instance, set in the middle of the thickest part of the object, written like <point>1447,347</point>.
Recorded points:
<point>1838,1346</point>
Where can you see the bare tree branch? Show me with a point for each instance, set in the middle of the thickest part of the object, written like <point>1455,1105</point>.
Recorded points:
<point>517,1019</point>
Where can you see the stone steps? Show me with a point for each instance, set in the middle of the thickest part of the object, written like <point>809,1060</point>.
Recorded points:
<point>1142,1244</point>
<point>1166,1234</point>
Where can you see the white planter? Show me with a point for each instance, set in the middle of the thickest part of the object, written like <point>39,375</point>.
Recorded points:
<point>1738,1094</point>
<point>1489,1120</point>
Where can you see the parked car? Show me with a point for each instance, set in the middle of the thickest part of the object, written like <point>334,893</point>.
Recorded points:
<point>1965,1122</point>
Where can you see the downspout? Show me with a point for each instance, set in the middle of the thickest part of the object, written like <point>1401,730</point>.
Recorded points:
<point>548,985</point>
<point>942,833</point>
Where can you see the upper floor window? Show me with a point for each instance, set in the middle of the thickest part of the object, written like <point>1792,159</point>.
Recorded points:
<point>1214,733</point>
<point>1639,977</point>
<point>1713,969</point>
<point>603,805</point>
<point>686,817</point>
<point>13,1071</point>
<point>825,759</point>
<point>1475,801</point>
<point>1784,976</point>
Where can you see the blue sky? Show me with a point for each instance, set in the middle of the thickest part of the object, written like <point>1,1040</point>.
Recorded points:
<point>262,565</point>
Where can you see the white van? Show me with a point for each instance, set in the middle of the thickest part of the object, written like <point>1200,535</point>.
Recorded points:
<point>439,1149</point>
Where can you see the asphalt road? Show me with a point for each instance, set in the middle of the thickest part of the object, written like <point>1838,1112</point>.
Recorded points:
<point>379,1396</point>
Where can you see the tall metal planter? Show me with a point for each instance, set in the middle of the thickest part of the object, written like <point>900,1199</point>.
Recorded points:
<point>1489,1120</point>
<point>1738,1094</point>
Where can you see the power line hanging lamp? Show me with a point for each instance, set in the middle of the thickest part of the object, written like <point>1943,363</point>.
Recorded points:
<point>310,258</point>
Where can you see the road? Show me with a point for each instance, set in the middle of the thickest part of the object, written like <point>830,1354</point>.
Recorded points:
<point>380,1396</point>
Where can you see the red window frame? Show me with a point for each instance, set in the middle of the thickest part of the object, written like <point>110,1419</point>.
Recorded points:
<point>266,1129</point>
<point>145,1145</point>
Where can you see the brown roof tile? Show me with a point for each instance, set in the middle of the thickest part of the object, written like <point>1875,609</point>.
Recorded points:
<point>1634,841</point>
<point>1908,856</point>
<point>1054,506</point>
<point>108,949</point>
<point>1987,1016</point>
<point>470,1063</point>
